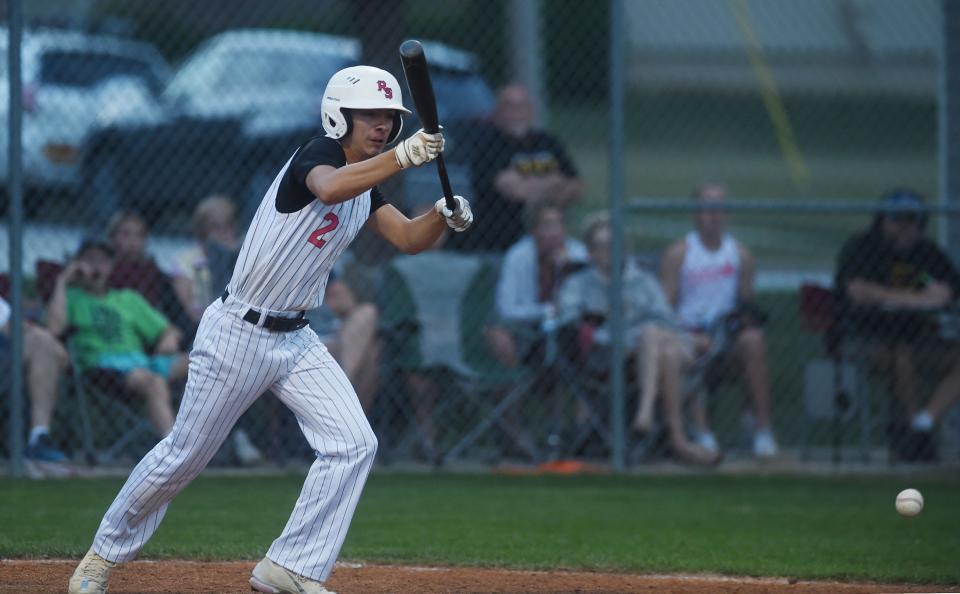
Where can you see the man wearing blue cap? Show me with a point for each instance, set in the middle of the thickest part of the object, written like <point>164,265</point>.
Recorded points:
<point>889,280</point>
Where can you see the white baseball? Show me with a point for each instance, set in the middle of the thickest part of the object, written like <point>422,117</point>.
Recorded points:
<point>909,502</point>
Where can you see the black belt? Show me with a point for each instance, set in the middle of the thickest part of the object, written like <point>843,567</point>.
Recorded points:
<point>272,323</point>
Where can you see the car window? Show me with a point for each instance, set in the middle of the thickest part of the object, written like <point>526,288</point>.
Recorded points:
<point>461,95</point>
<point>87,69</point>
<point>265,69</point>
<point>194,76</point>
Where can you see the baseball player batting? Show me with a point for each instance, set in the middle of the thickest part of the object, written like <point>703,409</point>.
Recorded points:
<point>255,338</point>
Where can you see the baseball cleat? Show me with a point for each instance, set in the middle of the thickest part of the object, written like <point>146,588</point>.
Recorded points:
<point>271,578</point>
<point>91,575</point>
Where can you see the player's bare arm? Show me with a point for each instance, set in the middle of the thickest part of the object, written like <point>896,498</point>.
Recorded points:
<point>332,185</point>
<point>410,236</point>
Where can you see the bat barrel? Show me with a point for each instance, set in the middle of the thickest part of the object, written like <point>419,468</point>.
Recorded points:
<point>421,92</point>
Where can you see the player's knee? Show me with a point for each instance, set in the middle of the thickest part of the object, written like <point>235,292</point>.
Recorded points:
<point>367,444</point>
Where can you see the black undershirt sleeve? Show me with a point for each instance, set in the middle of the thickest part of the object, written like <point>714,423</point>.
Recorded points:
<point>376,199</point>
<point>293,195</point>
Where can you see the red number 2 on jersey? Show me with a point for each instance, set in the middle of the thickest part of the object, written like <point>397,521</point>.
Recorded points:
<point>332,222</point>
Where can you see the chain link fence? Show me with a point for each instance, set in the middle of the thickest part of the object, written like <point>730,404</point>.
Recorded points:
<point>152,130</point>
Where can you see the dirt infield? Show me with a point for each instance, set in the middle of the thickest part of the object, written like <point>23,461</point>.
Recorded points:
<point>169,577</point>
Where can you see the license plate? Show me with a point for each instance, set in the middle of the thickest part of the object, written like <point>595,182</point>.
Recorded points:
<point>61,153</point>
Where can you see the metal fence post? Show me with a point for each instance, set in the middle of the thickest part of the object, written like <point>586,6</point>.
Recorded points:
<point>15,192</point>
<point>948,133</point>
<point>616,214</point>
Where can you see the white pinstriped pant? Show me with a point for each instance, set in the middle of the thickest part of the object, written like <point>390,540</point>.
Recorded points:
<point>231,364</point>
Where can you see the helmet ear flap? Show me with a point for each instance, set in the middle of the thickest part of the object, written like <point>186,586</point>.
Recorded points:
<point>397,126</point>
<point>348,116</point>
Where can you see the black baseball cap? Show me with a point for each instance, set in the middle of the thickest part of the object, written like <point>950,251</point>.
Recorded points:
<point>903,204</point>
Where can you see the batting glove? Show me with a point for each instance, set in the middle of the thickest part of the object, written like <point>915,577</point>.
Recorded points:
<point>461,219</point>
<point>419,149</point>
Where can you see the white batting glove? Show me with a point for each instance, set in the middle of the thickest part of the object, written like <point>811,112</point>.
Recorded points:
<point>419,149</point>
<point>461,219</point>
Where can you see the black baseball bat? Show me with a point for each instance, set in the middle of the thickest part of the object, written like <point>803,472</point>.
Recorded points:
<point>421,91</point>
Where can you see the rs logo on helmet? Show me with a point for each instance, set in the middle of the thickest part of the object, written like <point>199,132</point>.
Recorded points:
<point>387,91</point>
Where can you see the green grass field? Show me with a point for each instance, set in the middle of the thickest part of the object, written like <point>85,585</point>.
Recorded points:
<point>758,525</point>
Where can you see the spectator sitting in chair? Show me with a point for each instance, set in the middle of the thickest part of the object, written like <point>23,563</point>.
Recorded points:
<point>45,361</point>
<point>706,276</point>
<point>136,269</point>
<point>889,279</point>
<point>201,272</point>
<point>663,352</point>
<point>531,272</point>
<point>113,330</point>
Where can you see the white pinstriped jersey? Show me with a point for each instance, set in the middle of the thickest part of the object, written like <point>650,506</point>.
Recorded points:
<point>283,266</point>
<point>286,257</point>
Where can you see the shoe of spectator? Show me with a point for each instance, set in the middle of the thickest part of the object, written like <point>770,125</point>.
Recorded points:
<point>764,446</point>
<point>42,450</point>
<point>922,421</point>
<point>708,441</point>
<point>247,453</point>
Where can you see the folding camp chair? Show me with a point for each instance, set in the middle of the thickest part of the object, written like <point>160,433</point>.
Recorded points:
<point>836,388</point>
<point>433,308</point>
<point>584,367</point>
<point>109,425</point>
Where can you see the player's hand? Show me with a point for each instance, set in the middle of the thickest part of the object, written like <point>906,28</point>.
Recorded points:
<point>461,219</point>
<point>419,149</point>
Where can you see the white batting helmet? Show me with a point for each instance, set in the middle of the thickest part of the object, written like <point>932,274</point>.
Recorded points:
<point>360,87</point>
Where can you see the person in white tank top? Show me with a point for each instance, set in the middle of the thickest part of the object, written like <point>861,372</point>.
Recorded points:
<point>705,275</point>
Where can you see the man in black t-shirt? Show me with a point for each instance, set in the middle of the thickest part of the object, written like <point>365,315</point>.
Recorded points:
<point>891,280</point>
<point>514,166</point>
